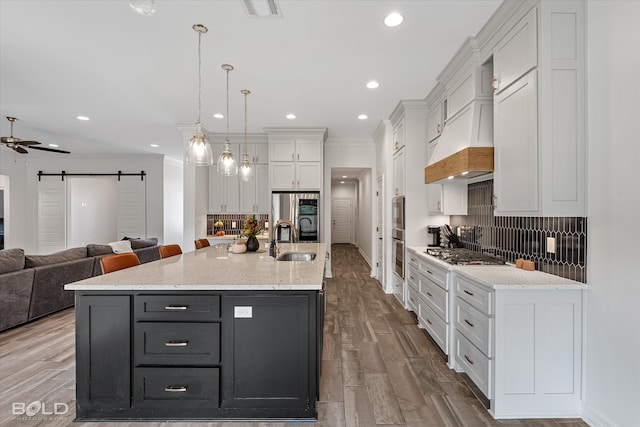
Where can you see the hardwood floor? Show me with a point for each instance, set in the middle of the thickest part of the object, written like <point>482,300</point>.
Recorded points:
<point>379,368</point>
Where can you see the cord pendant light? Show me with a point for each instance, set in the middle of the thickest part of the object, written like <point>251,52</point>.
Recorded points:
<point>199,151</point>
<point>227,165</point>
<point>246,171</point>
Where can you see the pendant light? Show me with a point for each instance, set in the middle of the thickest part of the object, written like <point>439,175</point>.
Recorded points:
<point>246,171</point>
<point>226,163</point>
<point>199,151</point>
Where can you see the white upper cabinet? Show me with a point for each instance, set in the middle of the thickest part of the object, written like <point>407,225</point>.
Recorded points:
<point>254,194</point>
<point>539,117</point>
<point>295,158</point>
<point>517,53</point>
<point>398,136</point>
<point>447,199</point>
<point>398,173</point>
<point>436,115</point>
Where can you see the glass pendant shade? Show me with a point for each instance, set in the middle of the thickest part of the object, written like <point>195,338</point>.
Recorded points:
<point>246,171</point>
<point>199,150</point>
<point>227,164</point>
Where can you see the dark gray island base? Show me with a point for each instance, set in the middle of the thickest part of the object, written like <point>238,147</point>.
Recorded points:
<point>198,355</point>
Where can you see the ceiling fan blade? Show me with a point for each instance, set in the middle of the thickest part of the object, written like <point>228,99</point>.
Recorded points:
<point>18,149</point>
<point>53,150</point>
<point>28,142</point>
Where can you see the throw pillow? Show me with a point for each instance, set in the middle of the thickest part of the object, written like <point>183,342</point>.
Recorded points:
<point>121,246</point>
<point>55,258</point>
<point>143,243</point>
<point>97,250</point>
<point>11,260</point>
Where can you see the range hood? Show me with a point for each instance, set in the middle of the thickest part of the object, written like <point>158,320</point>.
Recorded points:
<point>465,148</point>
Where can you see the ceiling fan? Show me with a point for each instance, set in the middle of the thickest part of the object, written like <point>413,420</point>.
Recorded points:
<point>16,143</point>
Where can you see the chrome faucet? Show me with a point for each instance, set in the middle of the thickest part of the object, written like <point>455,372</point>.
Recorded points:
<point>293,236</point>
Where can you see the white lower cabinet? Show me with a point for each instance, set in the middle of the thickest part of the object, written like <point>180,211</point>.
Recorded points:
<point>521,347</point>
<point>430,281</point>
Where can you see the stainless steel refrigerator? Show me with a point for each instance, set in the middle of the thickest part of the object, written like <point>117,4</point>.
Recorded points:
<point>302,209</point>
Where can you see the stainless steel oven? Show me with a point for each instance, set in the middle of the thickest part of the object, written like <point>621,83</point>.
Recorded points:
<point>397,235</point>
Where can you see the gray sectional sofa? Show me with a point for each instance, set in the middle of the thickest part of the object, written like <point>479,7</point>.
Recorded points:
<point>32,286</point>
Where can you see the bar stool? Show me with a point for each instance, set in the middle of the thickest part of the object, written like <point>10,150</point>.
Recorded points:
<point>118,262</point>
<point>170,250</point>
<point>202,243</point>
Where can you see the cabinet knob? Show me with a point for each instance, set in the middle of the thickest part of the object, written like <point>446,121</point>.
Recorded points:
<point>438,129</point>
<point>494,84</point>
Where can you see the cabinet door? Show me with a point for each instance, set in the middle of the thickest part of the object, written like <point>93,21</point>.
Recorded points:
<point>248,195</point>
<point>103,331</point>
<point>308,151</point>
<point>282,175</point>
<point>398,173</point>
<point>232,194</point>
<point>269,357</point>
<point>516,147</point>
<point>434,198</point>
<point>398,136</point>
<point>517,52</point>
<point>216,191</point>
<point>308,175</point>
<point>259,153</point>
<point>434,122</point>
<point>282,150</point>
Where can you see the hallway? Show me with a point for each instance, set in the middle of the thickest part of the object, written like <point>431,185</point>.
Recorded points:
<point>378,367</point>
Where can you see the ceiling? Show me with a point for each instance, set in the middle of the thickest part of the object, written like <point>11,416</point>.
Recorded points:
<point>135,76</point>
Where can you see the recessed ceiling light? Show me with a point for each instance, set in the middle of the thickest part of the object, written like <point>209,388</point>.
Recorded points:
<point>450,177</point>
<point>291,116</point>
<point>84,118</point>
<point>393,19</point>
<point>464,173</point>
<point>53,145</point>
<point>373,84</point>
<point>341,182</point>
<point>344,176</point>
<point>363,117</point>
<point>154,145</point>
<point>218,116</point>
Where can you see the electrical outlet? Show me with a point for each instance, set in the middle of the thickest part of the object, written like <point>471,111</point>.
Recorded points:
<point>242,312</point>
<point>233,224</point>
<point>551,245</point>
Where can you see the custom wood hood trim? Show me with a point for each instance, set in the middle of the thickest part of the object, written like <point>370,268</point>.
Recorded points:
<point>473,160</point>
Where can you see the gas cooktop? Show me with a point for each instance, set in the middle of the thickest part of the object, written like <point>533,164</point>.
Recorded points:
<point>461,256</point>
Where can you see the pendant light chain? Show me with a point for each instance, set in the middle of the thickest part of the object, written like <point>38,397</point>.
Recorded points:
<point>246,153</point>
<point>199,75</point>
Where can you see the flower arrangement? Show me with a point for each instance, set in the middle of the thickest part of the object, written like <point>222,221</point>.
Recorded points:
<point>251,226</point>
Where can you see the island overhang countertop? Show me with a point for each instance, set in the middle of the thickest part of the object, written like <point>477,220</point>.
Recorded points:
<point>214,268</point>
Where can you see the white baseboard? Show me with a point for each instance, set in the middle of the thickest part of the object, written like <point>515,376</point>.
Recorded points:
<point>595,418</point>
<point>366,258</point>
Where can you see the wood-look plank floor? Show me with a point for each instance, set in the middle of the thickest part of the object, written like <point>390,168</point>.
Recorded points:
<point>379,368</point>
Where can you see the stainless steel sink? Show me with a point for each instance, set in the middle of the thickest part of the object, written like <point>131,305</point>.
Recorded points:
<point>297,256</point>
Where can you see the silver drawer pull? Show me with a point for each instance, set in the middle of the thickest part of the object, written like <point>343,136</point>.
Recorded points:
<point>468,292</point>
<point>429,294</point>
<point>176,389</point>
<point>468,323</point>
<point>176,343</point>
<point>176,307</point>
<point>469,360</point>
<point>429,271</point>
<point>428,321</point>
<point>411,277</point>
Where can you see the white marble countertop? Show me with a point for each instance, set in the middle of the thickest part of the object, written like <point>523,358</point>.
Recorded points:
<point>213,268</point>
<point>506,276</point>
<point>264,236</point>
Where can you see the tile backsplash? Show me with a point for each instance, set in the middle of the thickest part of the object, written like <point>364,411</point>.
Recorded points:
<point>523,237</point>
<point>228,219</point>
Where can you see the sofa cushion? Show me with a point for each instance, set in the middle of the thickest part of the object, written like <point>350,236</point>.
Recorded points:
<point>15,296</point>
<point>95,250</point>
<point>11,260</point>
<point>55,258</point>
<point>121,246</point>
<point>143,243</point>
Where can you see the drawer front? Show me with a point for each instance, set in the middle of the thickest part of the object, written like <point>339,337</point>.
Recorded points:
<point>434,272</point>
<point>476,295</point>
<point>177,343</point>
<point>412,298</point>
<point>177,307</point>
<point>177,387</point>
<point>413,278</point>
<point>475,364</point>
<point>413,260</point>
<point>434,325</point>
<point>474,325</point>
<point>435,296</point>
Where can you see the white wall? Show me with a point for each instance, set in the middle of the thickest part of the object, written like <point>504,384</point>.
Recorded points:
<point>365,219</point>
<point>23,169</point>
<point>612,380</point>
<point>384,167</point>
<point>173,203</point>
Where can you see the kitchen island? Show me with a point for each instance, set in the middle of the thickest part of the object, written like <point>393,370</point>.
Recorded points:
<point>205,335</point>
